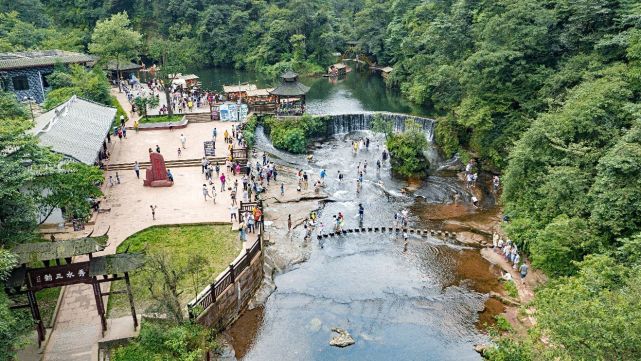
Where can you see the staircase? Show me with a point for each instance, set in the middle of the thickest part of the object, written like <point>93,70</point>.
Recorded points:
<point>178,163</point>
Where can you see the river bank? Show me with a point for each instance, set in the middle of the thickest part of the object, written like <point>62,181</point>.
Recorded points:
<point>299,269</point>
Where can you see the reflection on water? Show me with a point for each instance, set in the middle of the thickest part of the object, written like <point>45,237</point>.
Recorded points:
<point>419,304</point>
<point>358,91</point>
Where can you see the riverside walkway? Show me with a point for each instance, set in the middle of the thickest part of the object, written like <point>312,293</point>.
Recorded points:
<point>77,328</point>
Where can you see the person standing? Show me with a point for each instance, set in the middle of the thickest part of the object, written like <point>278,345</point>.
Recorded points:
<point>122,120</point>
<point>289,222</point>
<point>222,182</point>
<point>203,165</point>
<point>214,133</point>
<point>183,141</point>
<point>153,212</point>
<point>232,213</point>
<point>136,124</point>
<point>157,148</point>
<point>282,189</point>
<point>361,212</point>
<point>205,192</point>
<point>137,169</point>
<point>523,271</point>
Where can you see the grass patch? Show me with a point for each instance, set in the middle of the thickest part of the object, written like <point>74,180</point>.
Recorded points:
<point>511,290</point>
<point>161,119</point>
<point>502,324</point>
<point>218,243</point>
<point>47,300</point>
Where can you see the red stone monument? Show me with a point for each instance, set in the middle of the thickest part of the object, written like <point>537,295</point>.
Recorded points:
<point>156,176</point>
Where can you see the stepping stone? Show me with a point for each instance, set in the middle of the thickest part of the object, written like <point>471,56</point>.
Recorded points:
<point>357,230</point>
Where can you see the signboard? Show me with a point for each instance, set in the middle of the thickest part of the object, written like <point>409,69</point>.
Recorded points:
<point>210,148</point>
<point>59,275</point>
<point>233,112</point>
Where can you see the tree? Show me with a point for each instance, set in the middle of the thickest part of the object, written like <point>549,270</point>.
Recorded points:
<point>70,188</point>
<point>595,315</point>
<point>162,279</point>
<point>114,40</point>
<point>14,325</point>
<point>91,85</point>
<point>407,151</point>
<point>174,56</point>
<point>146,102</point>
<point>21,161</point>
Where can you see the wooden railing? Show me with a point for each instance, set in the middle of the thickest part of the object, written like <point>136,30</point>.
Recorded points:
<point>210,294</point>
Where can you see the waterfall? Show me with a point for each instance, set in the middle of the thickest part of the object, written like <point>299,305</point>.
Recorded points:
<point>345,123</point>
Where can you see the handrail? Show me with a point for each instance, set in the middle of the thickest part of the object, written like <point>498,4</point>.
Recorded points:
<point>210,293</point>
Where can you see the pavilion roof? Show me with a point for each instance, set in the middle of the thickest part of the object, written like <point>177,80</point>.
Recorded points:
<point>239,88</point>
<point>116,263</point>
<point>289,88</point>
<point>387,69</point>
<point>46,251</point>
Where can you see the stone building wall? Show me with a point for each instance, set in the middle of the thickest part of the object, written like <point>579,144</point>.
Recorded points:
<point>229,304</point>
<point>36,90</point>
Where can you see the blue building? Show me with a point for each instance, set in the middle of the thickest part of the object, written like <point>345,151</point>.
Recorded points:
<point>25,73</point>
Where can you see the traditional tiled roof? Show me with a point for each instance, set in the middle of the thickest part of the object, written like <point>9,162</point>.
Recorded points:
<point>30,59</point>
<point>46,251</point>
<point>124,66</point>
<point>387,69</point>
<point>76,128</point>
<point>290,86</point>
<point>115,264</point>
<point>239,88</point>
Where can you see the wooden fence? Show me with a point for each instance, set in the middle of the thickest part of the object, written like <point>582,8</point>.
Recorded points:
<point>211,293</point>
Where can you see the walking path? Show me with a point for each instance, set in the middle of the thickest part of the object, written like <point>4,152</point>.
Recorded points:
<point>77,329</point>
<point>126,106</point>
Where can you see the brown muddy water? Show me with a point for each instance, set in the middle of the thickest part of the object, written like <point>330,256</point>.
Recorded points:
<point>428,302</point>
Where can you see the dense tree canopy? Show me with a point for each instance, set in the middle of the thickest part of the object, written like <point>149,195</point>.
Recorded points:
<point>546,92</point>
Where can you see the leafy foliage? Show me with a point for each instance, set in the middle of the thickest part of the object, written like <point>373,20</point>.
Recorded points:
<point>114,40</point>
<point>292,134</point>
<point>91,85</point>
<point>166,341</point>
<point>406,152</point>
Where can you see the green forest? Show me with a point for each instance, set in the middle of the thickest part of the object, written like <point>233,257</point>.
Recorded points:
<point>546,93</point>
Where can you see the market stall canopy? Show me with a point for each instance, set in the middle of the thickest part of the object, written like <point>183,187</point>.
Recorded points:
<point>239,88</point>
<point>47,251</point>
<point>259,92</point>
<point>76,129</point>
<point>290,86</point>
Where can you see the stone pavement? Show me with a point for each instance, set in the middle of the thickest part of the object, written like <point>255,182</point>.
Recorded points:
<point>136,146</point>
<point>122,98</point>
<point>77,329</point>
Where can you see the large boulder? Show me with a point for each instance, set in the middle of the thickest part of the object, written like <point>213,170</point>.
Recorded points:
<point>343,339</point>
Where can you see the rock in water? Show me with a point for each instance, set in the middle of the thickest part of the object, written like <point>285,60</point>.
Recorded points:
<point>480,348</point>
<point>315,324</point>
<point>343,339</point>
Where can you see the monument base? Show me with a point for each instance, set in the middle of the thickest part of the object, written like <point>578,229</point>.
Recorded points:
<point>158,183</point>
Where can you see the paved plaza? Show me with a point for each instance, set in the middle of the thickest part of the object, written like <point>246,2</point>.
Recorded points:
<point>77,329</point>
<point>136,146</point>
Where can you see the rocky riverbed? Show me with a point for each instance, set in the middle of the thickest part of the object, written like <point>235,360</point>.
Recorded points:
<point>436,292</point>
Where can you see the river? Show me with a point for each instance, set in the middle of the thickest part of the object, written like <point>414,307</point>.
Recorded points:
<point>422,303</point>
<point>359,91</point>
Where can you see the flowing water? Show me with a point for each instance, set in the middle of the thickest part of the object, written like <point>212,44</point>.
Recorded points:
<point>419,303</point>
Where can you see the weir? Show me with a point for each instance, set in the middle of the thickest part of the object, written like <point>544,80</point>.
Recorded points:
<point>349,122</point>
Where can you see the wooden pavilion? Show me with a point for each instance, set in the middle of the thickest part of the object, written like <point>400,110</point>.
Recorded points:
<point>290,95</point>
<point>260,100</point>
